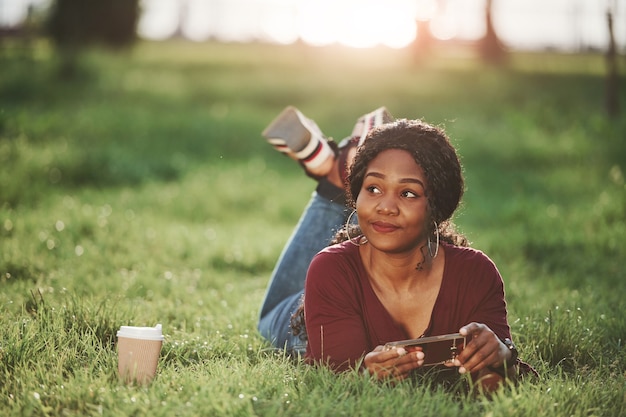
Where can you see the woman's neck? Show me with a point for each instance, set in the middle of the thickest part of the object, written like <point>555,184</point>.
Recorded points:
<point>401,271</point>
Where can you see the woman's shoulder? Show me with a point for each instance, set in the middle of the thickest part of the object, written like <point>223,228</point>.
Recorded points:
<point>342,249</point>
<point>469,270</point>
<point>337,266</point>
<point>338,257</point>
<point>465,253</point>
<point>468,258</point>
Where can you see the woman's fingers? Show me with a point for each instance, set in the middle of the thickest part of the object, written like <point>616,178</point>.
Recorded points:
<point>483,348</point>
<point>394,363</point>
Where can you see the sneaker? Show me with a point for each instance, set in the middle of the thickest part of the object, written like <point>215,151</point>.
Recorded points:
<point>369,121</point>
<point>301,139</point>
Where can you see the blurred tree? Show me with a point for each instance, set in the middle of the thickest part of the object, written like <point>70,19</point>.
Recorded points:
<point>78,23</point>
<point>612,84</point>
<point>424,41</point>
<point>74,25</point>
<point>491,49</point>
<point>184,10</point>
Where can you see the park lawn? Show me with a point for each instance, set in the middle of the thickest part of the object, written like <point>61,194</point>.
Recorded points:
<point>141,192</point>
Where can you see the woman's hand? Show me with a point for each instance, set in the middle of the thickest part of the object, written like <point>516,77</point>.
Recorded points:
<point>393,363</point>
<point>482,350</point>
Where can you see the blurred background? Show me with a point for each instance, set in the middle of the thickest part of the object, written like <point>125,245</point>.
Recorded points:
<point>227,67</point>
<point>567,25</point>
<point>133,172</point>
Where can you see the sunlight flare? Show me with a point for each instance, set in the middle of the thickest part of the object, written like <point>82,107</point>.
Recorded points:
<point>358,24</point>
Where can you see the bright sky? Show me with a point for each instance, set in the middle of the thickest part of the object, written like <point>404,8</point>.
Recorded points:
<point>364,23</point>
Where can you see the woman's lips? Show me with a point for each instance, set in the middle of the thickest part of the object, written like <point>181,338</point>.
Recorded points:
<point>384,227</point>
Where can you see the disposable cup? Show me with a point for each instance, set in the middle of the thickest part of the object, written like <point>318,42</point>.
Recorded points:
<point>138,352</point>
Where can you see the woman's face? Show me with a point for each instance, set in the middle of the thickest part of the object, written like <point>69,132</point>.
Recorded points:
<point>392,206</point>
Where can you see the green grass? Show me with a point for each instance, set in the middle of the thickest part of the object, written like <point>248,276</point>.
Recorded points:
<point>142,192</point>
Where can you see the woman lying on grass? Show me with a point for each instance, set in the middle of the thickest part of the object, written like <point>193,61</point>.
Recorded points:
<point>403,272</point>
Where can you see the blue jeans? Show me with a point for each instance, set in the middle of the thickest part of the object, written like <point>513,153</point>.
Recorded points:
<point>318,224</point>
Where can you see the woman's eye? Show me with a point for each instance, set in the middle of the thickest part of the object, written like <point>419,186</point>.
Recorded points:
<point>372,189</point>
<point>409,194</point>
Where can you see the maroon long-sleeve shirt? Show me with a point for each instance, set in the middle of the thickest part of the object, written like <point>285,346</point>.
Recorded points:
<point>345,319</point>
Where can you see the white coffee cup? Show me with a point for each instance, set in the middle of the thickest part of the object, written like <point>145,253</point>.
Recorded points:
<point>138,352</point>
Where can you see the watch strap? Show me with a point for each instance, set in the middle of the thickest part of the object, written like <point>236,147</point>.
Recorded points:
<point>513,349</point>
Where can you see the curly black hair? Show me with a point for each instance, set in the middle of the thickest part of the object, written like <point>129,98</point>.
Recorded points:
<point>431,149</point>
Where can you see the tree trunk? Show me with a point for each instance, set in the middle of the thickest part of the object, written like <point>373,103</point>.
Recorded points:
<point>422,45</point>
<point>612,78</point>
<point>491,49</point>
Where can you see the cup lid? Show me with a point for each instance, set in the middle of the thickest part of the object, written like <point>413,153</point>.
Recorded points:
<point>147,333</point>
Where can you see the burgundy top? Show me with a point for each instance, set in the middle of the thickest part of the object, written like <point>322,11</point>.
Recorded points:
<point>345,319</point>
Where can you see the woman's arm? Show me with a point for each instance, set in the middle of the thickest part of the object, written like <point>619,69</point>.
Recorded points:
<point>334,319</point>
<point>486,356</point>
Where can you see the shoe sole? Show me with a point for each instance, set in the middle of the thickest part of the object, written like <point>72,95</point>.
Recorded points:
<point>289,134</point>
<point>287,130</point>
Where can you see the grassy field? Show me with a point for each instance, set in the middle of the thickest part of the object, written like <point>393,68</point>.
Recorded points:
<point>141,192</point>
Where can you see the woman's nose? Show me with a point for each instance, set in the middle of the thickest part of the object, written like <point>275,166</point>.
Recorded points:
<point>387,205</point>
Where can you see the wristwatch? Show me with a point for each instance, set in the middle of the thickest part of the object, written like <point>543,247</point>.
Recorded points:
<point>502,369</point>
<point>514,353</point>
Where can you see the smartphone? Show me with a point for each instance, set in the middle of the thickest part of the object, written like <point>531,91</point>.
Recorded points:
<point>437,350</point>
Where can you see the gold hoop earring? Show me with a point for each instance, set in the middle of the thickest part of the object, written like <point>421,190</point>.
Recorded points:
<point>430,252</point>
<point>357,240</point>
